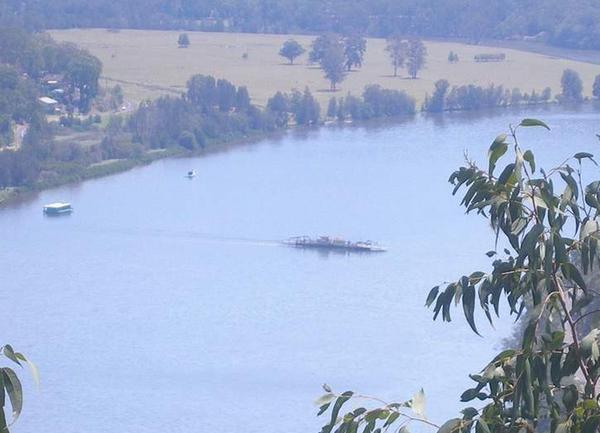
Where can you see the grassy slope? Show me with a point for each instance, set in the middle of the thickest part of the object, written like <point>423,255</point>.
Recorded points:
<point>149,64</point>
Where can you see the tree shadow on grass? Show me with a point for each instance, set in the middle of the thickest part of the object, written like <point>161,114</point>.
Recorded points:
<point>399,77</point>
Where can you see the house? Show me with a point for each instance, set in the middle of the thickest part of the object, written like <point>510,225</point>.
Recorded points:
<point>50,105</point>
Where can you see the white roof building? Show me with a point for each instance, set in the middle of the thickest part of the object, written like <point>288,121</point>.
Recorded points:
<point>48,101</point>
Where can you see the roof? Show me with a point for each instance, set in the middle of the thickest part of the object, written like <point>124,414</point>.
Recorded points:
<point>47,100</point>
<point>57,205</point>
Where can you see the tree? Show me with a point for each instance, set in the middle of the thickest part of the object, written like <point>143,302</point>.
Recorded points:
<point>202,91</point>
<point>415,57</point>
<point>437,102</point>
<point>279,106</point>
<point>549,382</point>
<point>305,108</point>
<point>187,140</point>
<point>332,107</point>
<point>354,51</point>
<point>572,87</point>
<point>333,63</point>
<point>83,72</point>
<point>226,94</point>
<point>183,41</point>
<point>116,97</point>
<point>321,45</point>
<point>397,49</point>
<point>291,49</point>
<point>242,98</point>
<point>596,87</point>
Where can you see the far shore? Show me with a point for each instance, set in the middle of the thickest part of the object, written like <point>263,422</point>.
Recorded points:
<point>148,64</point>
<point>13,195</point>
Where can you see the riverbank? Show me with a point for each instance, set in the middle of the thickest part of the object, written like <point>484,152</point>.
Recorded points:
<point>105,168</point>
<point>110,167</point>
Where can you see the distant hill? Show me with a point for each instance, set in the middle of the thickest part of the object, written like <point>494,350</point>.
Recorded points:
<point>564,23</point>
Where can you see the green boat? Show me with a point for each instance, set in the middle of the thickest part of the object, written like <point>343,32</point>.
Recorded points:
<point>58,208</point>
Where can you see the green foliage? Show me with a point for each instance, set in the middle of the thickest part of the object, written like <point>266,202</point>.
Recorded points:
<point>472,97</point>
<point>546,218</point>
<point>83,72</point>
<point>572,23</point>
<point>302,106</point>
<point>10,386</point>
<point>332,107</point>
<point>415,57</point>
<point>333,63</point>
<point>410,53</point>
<point>437,102</point>
<point>397,49</point>
<point>596,87</point>
<point>354,51</point>
<point>572,87</point>
<point>386,102</point>
<point>321,45</point>
<point>183,41</point>
<point>291,49</point>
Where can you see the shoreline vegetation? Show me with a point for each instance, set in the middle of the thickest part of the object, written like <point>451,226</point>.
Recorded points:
<point>10,195</point>
<point>89,131</point>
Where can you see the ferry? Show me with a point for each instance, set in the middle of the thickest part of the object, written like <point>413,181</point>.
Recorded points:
<point>333,243</point>
<point>191,174</point>
<point>58,208</point>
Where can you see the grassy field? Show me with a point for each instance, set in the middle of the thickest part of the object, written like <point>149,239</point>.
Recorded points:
<point>148,64</point>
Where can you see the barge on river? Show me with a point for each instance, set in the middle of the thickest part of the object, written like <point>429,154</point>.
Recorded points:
<point>58,208</point>
<point>331,243</point>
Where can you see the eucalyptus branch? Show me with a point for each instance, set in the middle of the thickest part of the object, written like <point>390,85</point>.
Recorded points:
<point>573,330</point>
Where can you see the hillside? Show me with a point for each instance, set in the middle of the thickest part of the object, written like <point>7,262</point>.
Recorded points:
<point>565,23</point>
<point>148,64</point>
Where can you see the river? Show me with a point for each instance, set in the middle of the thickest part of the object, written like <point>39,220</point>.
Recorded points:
<point>164,304</point>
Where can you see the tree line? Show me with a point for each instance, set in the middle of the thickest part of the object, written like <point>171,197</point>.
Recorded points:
<point>569,23</point>
<point>471,97</point>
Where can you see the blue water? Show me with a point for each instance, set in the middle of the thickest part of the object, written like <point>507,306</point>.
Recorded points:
<point>164,304</point>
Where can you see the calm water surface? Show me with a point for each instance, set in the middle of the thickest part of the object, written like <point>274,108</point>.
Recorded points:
<point>165,305</point>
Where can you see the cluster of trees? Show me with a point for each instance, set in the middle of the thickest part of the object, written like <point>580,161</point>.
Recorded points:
<point>36,55</point>
<point>453,57</point>
<point>375,102</point>
<point>210,110</point>
<point>409,53</point>
<point>18,102</point>
<point>570,23</point>
<point>337,55</point>
<point>472,97</point>
<point>302,106</point>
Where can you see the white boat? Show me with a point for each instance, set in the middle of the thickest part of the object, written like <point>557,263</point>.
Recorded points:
<point>191,174</point>
<point>58,208</point>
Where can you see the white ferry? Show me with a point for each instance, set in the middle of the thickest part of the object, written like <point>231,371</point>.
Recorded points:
<point>327,242</point>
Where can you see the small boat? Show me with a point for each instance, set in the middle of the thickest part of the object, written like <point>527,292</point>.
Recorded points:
<point>331,243</point>
<point>58,208</point>
<point>190,174</point>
